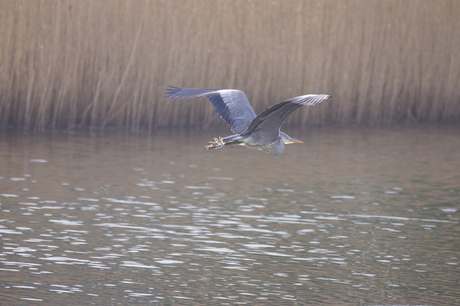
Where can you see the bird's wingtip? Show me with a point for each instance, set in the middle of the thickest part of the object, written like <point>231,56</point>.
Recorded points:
<point>170,90</point>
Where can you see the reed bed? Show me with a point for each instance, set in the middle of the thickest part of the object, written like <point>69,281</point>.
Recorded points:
<point>92,63</point>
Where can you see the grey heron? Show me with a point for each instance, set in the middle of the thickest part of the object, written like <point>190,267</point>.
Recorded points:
<point>261,131</point>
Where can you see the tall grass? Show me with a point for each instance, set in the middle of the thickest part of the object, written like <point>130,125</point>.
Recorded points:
<point>70,64</point>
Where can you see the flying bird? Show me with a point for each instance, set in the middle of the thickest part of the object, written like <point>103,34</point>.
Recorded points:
<point>261,131</point>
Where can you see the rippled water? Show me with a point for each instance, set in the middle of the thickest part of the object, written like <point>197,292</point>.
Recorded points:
<point>351,216</point>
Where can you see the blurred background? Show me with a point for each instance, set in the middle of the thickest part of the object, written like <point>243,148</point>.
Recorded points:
<point>71,64</point>
<point>108,196</point>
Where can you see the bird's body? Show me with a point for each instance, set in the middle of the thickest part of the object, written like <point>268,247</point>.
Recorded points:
<point>260,132</point>
<point>253,141</point>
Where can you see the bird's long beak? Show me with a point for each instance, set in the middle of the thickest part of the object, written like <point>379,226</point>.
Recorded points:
<point>293,140</point>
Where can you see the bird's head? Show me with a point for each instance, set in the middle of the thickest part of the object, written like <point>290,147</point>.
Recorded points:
<point>288,139</point>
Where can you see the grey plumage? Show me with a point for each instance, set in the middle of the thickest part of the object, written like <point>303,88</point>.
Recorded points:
<point>232,105</point>
<point>260,132</point>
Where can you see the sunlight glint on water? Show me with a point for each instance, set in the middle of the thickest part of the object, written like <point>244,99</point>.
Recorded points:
<point>349,217</point>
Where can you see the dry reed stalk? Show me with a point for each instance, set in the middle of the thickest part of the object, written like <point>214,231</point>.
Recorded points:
<point>96,63</point>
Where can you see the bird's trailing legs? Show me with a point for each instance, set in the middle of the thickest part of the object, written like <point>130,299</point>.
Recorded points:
<point>224,141</point>
<point>216,144</point>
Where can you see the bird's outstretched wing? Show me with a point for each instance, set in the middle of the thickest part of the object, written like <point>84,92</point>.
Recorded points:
<point>232,105</point>
<point>269,122</point>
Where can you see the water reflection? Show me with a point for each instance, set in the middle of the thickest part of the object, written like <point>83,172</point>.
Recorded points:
<point>352,216</point>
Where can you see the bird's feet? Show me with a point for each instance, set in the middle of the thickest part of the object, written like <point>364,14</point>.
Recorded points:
<point>216,144</point>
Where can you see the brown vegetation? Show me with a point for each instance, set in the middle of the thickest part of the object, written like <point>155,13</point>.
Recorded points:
<point>106,63</point>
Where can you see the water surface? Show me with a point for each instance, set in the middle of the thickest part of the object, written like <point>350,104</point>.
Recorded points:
<point>352,216</point>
